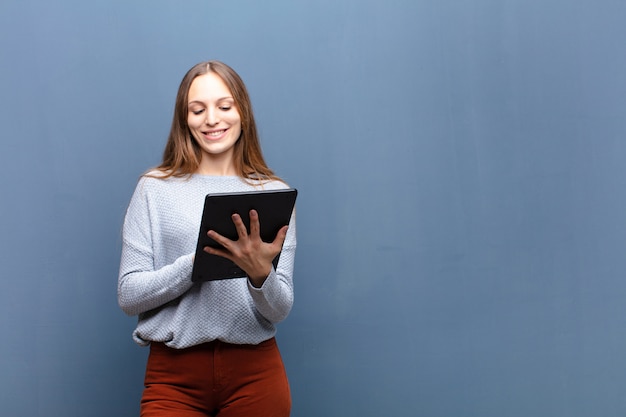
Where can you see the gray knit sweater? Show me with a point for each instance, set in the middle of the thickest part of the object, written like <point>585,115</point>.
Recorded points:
<point>159,239</point>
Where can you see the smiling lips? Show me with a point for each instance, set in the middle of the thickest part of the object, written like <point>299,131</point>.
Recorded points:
<point>214,134</point>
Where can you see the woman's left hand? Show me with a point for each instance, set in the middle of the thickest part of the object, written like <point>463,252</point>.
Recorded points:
<point>249,252</point>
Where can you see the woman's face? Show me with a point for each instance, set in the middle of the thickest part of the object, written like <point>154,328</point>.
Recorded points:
<point>213,119</point>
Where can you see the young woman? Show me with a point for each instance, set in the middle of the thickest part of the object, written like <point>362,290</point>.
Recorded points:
<point>212,346</point>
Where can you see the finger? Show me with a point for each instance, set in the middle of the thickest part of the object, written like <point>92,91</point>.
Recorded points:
<point>224,241</point>
<point>239,225</point>
<point>280,237</point>
<point>255,224</point>
<point>219,252</point>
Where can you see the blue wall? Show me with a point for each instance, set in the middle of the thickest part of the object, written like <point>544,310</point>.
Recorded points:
<point>462,209</point>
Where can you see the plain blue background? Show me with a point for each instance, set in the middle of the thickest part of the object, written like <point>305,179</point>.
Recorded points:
<point>462,208</point>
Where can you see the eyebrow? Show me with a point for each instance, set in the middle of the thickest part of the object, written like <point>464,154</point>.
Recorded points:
<point>218,100</point>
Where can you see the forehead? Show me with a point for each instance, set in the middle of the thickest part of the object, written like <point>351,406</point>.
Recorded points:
<point>208,87</point>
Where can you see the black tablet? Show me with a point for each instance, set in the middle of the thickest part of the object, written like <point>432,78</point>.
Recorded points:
<point>274,208</point>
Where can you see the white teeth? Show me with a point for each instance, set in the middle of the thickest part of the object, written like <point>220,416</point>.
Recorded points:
<point>217,133</point>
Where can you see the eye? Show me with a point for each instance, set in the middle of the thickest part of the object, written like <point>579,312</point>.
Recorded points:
<point>196,112</point>
<point>225,108</point>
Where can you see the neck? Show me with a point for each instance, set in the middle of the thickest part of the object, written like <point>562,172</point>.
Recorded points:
<point>217,165</point>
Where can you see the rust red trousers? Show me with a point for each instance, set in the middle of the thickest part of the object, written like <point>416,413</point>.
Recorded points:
<point>216,379</point>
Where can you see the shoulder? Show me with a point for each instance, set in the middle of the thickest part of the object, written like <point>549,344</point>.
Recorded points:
<point>157,179</point>
<point>155,183</point>
<point>269,184</point>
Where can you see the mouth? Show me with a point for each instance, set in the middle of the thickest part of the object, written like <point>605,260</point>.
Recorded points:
<point>214,134</point>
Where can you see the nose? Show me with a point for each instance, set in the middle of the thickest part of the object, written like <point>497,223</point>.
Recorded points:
<point>211,117</point>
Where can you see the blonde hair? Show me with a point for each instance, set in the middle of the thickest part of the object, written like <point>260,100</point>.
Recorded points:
<point>182,154</point>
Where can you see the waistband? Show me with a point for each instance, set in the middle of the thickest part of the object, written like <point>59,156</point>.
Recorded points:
<point>212,345</point>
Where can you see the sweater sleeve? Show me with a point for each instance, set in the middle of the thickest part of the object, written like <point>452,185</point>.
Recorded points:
<point>141,287</point>
<point>274,298</point>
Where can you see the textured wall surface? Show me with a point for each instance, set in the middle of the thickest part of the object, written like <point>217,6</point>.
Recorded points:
<point>462,207</point>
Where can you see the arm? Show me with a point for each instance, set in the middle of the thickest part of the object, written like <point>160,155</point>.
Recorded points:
<point>274,298</point>
<point>271,289</point>
<point>140,286</point>
<point>141,289</point>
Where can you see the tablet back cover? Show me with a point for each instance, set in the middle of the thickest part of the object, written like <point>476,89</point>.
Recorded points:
<point>274,208</point>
